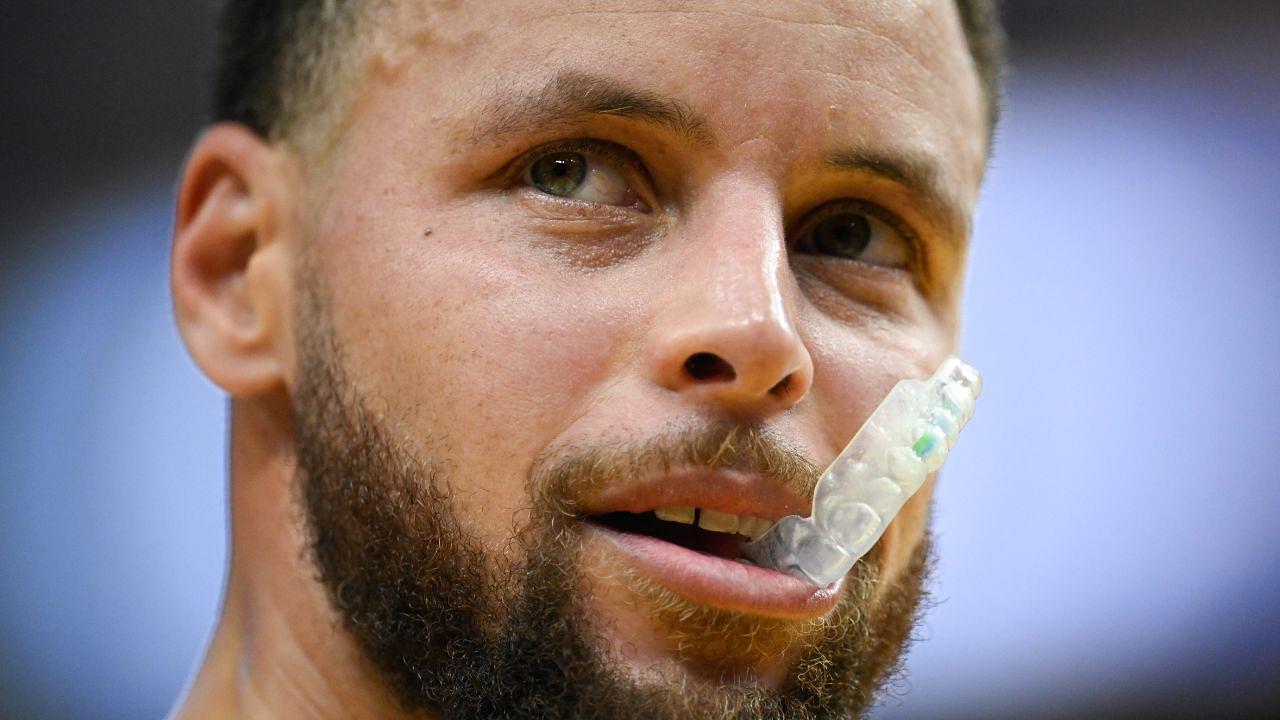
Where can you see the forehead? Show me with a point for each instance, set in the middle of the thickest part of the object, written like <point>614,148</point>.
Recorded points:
<point>893,75</point>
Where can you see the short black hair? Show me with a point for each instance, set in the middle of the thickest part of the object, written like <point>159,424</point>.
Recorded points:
<point>984,34</point>
<point>275,59</point>
<point>274,56</point>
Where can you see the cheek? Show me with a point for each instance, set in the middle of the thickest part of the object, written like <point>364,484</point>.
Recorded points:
<point>854,368</point>
<point>853,373</point>
<point>477,352</point>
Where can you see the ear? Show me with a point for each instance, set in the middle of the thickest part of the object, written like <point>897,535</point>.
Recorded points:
<point>231,259</point>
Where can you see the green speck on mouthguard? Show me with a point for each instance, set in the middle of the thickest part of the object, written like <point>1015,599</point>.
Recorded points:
<point>925,444</point>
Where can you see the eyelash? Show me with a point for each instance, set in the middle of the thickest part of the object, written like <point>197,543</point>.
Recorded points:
<point>896,223</point>
<point>590,146</point>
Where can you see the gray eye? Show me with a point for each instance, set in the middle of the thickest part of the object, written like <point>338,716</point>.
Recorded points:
<point>559,174</point>
<point>592,176</point>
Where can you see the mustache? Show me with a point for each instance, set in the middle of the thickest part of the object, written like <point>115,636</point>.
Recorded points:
<point>561,479</point>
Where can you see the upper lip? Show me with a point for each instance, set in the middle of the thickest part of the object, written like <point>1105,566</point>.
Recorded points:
<point>735,492</point>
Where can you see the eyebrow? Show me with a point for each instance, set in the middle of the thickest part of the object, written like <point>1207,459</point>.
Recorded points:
<point>573,96</point>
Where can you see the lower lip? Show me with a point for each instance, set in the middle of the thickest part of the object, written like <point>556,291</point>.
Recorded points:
<point>721,583</point>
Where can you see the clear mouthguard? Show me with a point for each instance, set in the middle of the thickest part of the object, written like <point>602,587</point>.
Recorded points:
<point>905,439</point>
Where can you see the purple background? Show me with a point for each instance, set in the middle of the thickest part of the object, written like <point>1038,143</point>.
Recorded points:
<point>1108,528</point>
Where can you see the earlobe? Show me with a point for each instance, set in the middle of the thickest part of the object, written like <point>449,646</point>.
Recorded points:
<point>229,270</point>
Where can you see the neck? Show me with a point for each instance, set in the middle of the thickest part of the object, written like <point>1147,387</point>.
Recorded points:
<point>279,650</point>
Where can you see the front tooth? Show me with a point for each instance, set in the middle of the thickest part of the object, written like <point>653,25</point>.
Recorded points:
<point>717,521</point>
<point>753,527</point>
<point>675,513</point>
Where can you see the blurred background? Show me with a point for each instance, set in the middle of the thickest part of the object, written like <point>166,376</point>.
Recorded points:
<point>1108,529</point>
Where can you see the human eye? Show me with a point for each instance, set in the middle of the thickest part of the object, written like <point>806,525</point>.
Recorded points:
<point>587,171</point>
<point>858,231</point>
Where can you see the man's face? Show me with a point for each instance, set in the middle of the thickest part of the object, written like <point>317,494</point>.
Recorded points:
<point>577,262</point>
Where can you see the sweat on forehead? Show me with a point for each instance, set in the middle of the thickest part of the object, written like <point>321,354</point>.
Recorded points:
<point>281,62</point>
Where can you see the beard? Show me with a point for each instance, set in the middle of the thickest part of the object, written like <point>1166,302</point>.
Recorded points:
<point>456,631</point>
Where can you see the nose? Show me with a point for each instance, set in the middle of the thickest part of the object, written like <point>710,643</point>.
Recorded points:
<point>726,336</point>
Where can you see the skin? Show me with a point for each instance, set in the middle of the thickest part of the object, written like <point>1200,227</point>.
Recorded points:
<point>489,322</point>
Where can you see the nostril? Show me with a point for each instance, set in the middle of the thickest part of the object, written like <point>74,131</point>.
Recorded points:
<point>709,366</point>
<point>783,385</point>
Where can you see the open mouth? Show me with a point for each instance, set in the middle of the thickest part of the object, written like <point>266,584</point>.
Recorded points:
<point>698,555</point>
<point>679,530</point>
<point>705,531</point>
